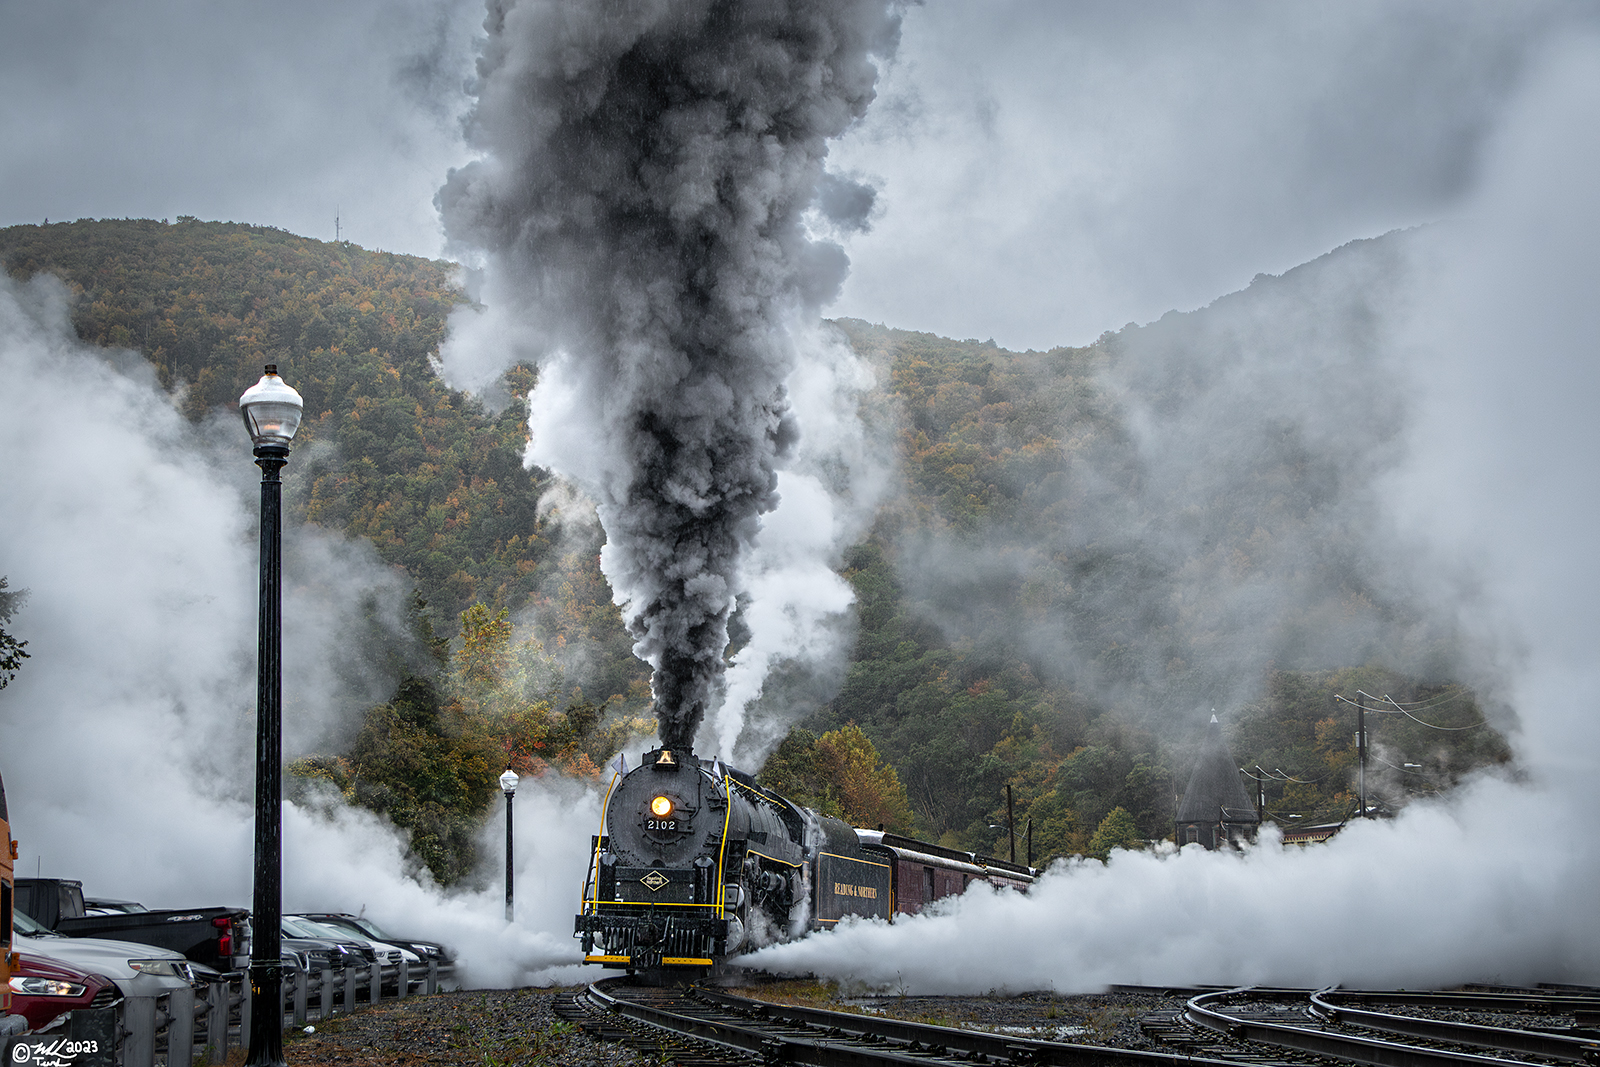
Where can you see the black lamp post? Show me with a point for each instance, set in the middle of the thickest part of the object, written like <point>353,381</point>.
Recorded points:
<point>271,413</point>
<point>508,783</point>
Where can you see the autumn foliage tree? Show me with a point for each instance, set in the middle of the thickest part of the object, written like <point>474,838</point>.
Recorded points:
<point>428,758</point>
<point>840,774</point>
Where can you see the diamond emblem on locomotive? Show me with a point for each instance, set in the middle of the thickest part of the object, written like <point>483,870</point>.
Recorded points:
<point>655,879</point>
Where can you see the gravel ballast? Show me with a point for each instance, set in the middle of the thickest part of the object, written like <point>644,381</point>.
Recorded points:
<point>481,1026</point>
<point>1108,1019</point>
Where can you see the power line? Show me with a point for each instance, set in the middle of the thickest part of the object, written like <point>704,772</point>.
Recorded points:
<point>1431,725</point>
<point>1406,769</point>
<point>1399,710</point>
<point>1277,774</point>
<point>1457,693</point>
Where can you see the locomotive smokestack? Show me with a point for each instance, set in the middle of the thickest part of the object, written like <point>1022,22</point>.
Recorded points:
<point>646,169</point>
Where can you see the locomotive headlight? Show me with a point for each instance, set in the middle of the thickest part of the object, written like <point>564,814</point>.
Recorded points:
<point>661,807</point>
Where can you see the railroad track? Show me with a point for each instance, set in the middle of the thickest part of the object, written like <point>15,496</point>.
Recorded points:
<point>1321,1024</point>
<point>1217,1028</point>
<point>724,1029</point>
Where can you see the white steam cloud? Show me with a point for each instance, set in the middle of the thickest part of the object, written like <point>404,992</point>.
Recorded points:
<point>1500,480</point>
<point>798,607</point>
<point>127,739</point>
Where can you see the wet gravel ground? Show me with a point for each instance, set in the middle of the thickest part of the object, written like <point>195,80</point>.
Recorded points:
<point>512,1027</point>
<point>1108,1019</point>
<point>494,1028</point>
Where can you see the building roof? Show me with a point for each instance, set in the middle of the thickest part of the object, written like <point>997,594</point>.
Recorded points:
<point>1215,793</point>
<point>1307,835</point>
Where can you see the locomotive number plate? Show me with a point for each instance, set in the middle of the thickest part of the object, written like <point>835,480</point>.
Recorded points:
<point>661,824</point>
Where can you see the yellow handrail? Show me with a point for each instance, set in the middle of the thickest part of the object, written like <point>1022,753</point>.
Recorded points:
<point>593,874</point>
<point>722,851</point>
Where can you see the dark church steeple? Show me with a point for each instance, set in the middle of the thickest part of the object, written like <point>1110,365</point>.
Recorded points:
<point>1216,812</point>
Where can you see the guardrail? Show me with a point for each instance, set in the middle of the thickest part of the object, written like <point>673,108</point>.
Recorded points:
<point>182,1029</point>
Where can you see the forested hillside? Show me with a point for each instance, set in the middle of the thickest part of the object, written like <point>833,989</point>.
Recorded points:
<point>1094,549</point>
<point>433,480</point>
<point>1090,550</point>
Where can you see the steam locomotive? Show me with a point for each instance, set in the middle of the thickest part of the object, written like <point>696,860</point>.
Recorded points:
<point>696,862</point>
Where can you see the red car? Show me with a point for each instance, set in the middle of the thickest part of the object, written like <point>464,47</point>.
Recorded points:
<point>43,988</point>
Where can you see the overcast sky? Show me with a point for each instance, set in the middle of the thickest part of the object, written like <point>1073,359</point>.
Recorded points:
<point>1046,171</point>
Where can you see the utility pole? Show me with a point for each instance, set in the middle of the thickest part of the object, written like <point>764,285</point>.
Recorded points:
<point>1261,795</point>
<point>1011,824</point>
<point>1361,752</point>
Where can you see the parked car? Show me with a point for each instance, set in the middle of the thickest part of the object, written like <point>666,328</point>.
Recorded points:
<point>389,956</point>
<point>320,950</point>
<point>42,989</point>
<point>136,970</point>
<point>425,950</point>
<point>385,950</point>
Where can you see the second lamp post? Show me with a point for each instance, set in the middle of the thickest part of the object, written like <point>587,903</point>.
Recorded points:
<point>508,783</point>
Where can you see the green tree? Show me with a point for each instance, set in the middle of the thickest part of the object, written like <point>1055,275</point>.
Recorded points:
<point>417,762</point>
<point>1116,830</point>
<point>791,769</point>
<point>482,678</point>
<point>841,774</point>
<point>12,651</point>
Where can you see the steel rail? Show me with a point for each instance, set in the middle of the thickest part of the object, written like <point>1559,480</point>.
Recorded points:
<point>1526,1042</point>
<point>967,1043</point>
<point>1348,1047</point>
<point>765,1045</point>
<point>1545,998</point>
<point>834,1037</point>
<point>599,1020</point>
<point>1553,1002</point>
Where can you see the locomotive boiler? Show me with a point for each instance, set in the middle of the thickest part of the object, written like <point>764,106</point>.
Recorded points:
<point>696,862</point>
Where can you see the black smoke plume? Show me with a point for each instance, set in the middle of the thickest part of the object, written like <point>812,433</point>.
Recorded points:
<point>641,203</point>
